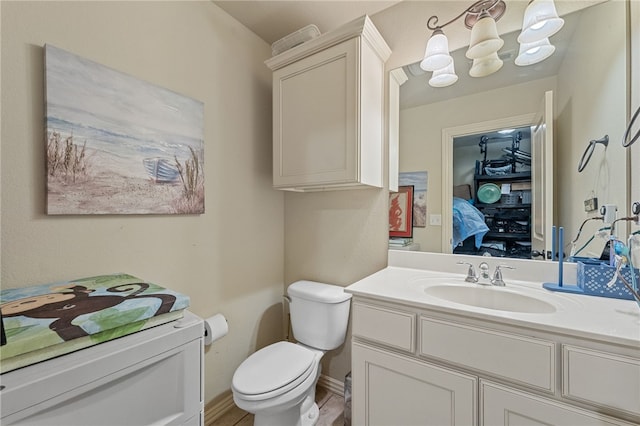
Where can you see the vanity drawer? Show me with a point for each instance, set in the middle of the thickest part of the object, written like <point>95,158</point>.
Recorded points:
<point>384,325</point>
<point>522,359</point>
<point>608,380</point>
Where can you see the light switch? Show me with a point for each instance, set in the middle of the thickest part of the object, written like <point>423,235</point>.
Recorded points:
<point>435,219</point>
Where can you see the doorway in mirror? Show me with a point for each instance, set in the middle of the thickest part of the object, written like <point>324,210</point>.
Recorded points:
<point>492,169</point>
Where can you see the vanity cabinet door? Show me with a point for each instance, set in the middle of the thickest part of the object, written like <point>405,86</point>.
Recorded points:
<point>391,389</point>
<point>500,405</point>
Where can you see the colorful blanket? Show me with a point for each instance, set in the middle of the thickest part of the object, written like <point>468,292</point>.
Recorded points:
<point>40,321</point>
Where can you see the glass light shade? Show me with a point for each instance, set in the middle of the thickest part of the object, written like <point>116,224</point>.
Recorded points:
<point>532,53</point>
<point>436,55</point>
<point>540,21</point>
<point>489,64</point>
<point>484,38</point>
<point>443,77</point>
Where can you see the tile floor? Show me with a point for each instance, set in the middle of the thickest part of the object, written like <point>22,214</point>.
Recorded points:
<point>331,412</point>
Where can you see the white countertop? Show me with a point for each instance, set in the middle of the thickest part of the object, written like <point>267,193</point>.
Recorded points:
<point>604,319</point>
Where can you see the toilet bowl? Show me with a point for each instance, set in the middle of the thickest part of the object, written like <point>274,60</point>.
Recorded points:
<point>278,383</point>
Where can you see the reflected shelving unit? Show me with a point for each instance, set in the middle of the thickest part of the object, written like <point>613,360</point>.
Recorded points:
<point>509,219</point>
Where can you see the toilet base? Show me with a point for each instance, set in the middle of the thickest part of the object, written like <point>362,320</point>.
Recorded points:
<point>311,417</point>
<point>296,407</point>
<point>305,414</point>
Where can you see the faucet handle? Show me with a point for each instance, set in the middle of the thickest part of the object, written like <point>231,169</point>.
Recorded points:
<point>497,275</point>
<point>471,273</point>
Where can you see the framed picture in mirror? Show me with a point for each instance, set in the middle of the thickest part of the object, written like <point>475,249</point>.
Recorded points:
<point>401,212</point>
<point>419,182</point>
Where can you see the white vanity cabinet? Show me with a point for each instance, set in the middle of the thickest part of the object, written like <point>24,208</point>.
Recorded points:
<point>328,110</point>
<point>415,366</point>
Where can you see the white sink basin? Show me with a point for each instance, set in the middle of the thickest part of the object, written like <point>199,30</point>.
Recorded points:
<point>488,297</point>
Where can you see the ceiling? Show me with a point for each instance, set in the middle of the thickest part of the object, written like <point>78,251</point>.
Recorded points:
<point>272,20</point>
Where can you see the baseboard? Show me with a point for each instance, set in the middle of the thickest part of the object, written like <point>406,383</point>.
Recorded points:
<point>217,408</point>
<point>331,384</point>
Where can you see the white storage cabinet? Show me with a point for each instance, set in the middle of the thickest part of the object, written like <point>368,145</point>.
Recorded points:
<point>153,377</point>
<point>328,110</point>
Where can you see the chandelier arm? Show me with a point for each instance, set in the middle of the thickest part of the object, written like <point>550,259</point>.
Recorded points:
<point>432,22</point>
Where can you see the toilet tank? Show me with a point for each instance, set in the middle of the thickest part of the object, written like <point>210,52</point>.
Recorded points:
<point>319,313</point>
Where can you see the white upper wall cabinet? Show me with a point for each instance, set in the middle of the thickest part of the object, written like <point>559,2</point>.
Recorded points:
<point>328,110</point>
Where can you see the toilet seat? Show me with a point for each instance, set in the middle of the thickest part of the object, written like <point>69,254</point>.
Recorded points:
<point>273,370</point>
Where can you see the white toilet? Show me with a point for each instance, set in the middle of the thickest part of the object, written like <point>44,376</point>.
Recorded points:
<point>278,383</point>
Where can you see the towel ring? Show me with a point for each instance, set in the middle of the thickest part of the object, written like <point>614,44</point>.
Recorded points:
<point>626,142</point>
<point>586,155</point>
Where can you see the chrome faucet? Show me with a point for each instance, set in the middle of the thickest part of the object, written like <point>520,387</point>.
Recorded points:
<point>471,273</point>
<point>496,280</point>
<point>497,275</point>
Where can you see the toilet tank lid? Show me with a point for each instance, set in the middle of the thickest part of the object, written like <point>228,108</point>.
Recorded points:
<point>320,292</point>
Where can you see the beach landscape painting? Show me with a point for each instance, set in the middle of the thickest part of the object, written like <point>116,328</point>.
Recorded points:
<point>119,145</point>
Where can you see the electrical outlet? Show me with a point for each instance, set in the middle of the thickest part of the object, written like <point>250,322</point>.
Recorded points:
<point>591,204</point>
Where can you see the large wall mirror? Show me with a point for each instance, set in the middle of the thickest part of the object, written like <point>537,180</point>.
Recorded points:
<point>584,85</point>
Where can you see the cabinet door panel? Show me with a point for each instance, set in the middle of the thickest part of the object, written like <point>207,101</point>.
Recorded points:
<point>590,376</point>
<point>390,389</point>
<point>503,406</point>
<point>315,118</point>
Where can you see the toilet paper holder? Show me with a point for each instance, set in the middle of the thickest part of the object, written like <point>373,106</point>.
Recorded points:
<point>215,328</point>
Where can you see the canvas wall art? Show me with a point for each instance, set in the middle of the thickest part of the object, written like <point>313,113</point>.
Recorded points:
<point>119,145</point>
<point>419,182</point>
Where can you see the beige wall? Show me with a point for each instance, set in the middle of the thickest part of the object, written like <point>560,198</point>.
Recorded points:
<point>229,259</point>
